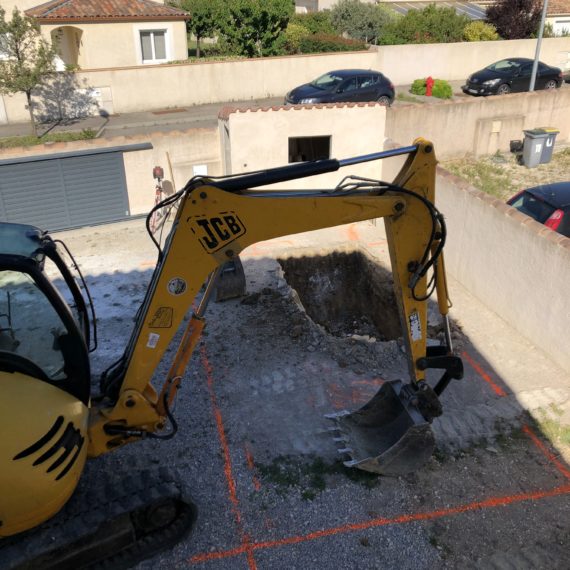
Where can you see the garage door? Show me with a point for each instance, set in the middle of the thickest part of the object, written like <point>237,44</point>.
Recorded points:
<point>64,191</point>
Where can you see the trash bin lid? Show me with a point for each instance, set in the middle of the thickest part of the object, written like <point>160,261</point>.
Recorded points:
<point>550,130</point>
<point>536,133</point>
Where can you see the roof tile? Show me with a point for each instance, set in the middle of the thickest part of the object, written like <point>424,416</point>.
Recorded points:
<point>103,10</point>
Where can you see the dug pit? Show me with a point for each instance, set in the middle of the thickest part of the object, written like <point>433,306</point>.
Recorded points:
<point>346,293</point>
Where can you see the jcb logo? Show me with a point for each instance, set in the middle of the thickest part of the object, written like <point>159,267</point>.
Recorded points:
<point>216,232</point>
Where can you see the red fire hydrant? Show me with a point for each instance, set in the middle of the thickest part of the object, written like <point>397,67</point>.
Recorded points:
<point>429,86</point>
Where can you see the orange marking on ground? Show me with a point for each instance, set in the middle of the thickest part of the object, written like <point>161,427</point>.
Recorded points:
<point>490,503</point>
<point>251,467</point>
<point>547,453</point>
<point>376,243</point>
<point>337,398</point>
<point>147,264</point>
<point>352,233</point>
<point>227,460</point>
<point>375,382</point>
<point>497,389</point>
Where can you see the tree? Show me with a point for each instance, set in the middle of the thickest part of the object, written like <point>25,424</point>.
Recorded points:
<point>205,16</point>
<point>252,27</point>
<point>28,58</point>
<point>479,31</point>
<point>515,19</point>
<point>360,21</point>
<point>430,25</point>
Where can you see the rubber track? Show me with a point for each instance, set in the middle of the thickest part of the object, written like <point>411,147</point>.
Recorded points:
<point>104,497</point>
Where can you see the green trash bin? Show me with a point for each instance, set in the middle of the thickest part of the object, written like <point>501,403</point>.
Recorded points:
<point>534,143</point>
<point>548,147</point>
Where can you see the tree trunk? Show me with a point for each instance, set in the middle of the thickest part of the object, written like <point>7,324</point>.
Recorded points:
<point>197,46</point>
<point>31,111</point>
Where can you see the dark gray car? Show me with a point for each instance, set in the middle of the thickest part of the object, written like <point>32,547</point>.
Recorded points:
<point>511,75</point>
<point>344,85</point>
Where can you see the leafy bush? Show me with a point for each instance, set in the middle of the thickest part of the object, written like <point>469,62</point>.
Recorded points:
<point>441,88</point>
<point>317,43</point>
<point>292,36</point>
<point>361,21</point>
<point>315,22</point>
<point>418,87</point>
<point>479,31</point>
<point>430,25</point>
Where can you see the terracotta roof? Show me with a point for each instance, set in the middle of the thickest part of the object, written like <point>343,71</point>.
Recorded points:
<point>558,7</point>
<point>104,11</point>
<point>228,110</point>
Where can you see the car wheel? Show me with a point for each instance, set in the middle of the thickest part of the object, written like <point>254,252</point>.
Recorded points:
<point>503,89</point>
<point>550,84</point>
<point>384,100</point>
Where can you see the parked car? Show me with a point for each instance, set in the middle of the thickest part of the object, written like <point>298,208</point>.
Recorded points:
<point>343,86</point>
<point>548,204</point>
<point>511,75</point>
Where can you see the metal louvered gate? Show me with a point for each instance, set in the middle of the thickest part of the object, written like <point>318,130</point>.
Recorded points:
<point>65,190</point>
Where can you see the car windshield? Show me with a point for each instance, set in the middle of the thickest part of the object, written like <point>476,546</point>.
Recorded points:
<point>533,207</point>
<point>326,81</point>
<point>504,66</point>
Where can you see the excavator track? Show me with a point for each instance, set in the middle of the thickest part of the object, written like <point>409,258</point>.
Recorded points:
<point>114,523</point>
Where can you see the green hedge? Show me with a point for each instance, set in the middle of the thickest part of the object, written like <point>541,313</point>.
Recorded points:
<point>317,43</point>
<point>441,88</point>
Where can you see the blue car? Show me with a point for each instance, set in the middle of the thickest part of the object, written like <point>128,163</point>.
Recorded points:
<point>345,85</point>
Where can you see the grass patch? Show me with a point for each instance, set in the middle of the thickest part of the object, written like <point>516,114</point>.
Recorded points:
<point>484,175</point>
<point>549,424</point>
<point>29,140</point>
<point>286,473</point>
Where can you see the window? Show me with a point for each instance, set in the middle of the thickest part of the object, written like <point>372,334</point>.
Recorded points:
<point>348,85</point>
<point>153,46</point>
<point>367,81</point>
<point>302,149</point>
<point>4,50</point>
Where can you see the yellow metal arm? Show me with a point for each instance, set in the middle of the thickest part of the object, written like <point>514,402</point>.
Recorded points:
<point>213,225</point>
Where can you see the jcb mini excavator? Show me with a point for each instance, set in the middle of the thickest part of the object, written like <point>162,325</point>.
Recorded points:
<point>50,423</point>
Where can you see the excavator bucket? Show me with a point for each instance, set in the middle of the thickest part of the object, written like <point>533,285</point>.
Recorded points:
<point>230,282</point>
<point>389,435</point>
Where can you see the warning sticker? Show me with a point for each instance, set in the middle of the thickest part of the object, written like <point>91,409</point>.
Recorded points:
<point>152,340</point>
<point>415,327</point>
<point>162,319</point>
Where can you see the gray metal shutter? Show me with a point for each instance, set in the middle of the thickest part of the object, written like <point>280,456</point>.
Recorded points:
<point>95,188</point>
<point>64,192</point>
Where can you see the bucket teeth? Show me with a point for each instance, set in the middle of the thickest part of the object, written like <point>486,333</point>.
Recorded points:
<point>345,450</point>
<point>335,415</point>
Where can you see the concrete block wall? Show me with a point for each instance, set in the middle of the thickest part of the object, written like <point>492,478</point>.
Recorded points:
<point>514,265</point>
<point>142,88</point>
<point>478,126</point>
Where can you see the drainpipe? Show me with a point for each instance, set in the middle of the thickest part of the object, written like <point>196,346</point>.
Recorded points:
<point>538,42</point>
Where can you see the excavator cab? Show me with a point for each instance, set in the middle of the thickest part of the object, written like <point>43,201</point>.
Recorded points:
<point>44,374</point>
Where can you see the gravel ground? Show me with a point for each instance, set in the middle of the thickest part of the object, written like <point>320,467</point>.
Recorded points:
<point>265,474</point>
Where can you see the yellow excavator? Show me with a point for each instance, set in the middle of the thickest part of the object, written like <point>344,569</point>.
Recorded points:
<point>50,423</point>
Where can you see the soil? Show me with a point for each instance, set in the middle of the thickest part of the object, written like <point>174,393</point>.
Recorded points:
<point>254,445</point>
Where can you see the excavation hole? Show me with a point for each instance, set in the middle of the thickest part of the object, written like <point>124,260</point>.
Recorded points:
<point>346,293</point>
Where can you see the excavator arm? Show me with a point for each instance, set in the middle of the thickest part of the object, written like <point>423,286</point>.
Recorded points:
<point>216,220</point>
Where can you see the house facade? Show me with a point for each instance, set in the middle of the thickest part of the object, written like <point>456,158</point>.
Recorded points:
<point>92,34</point>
